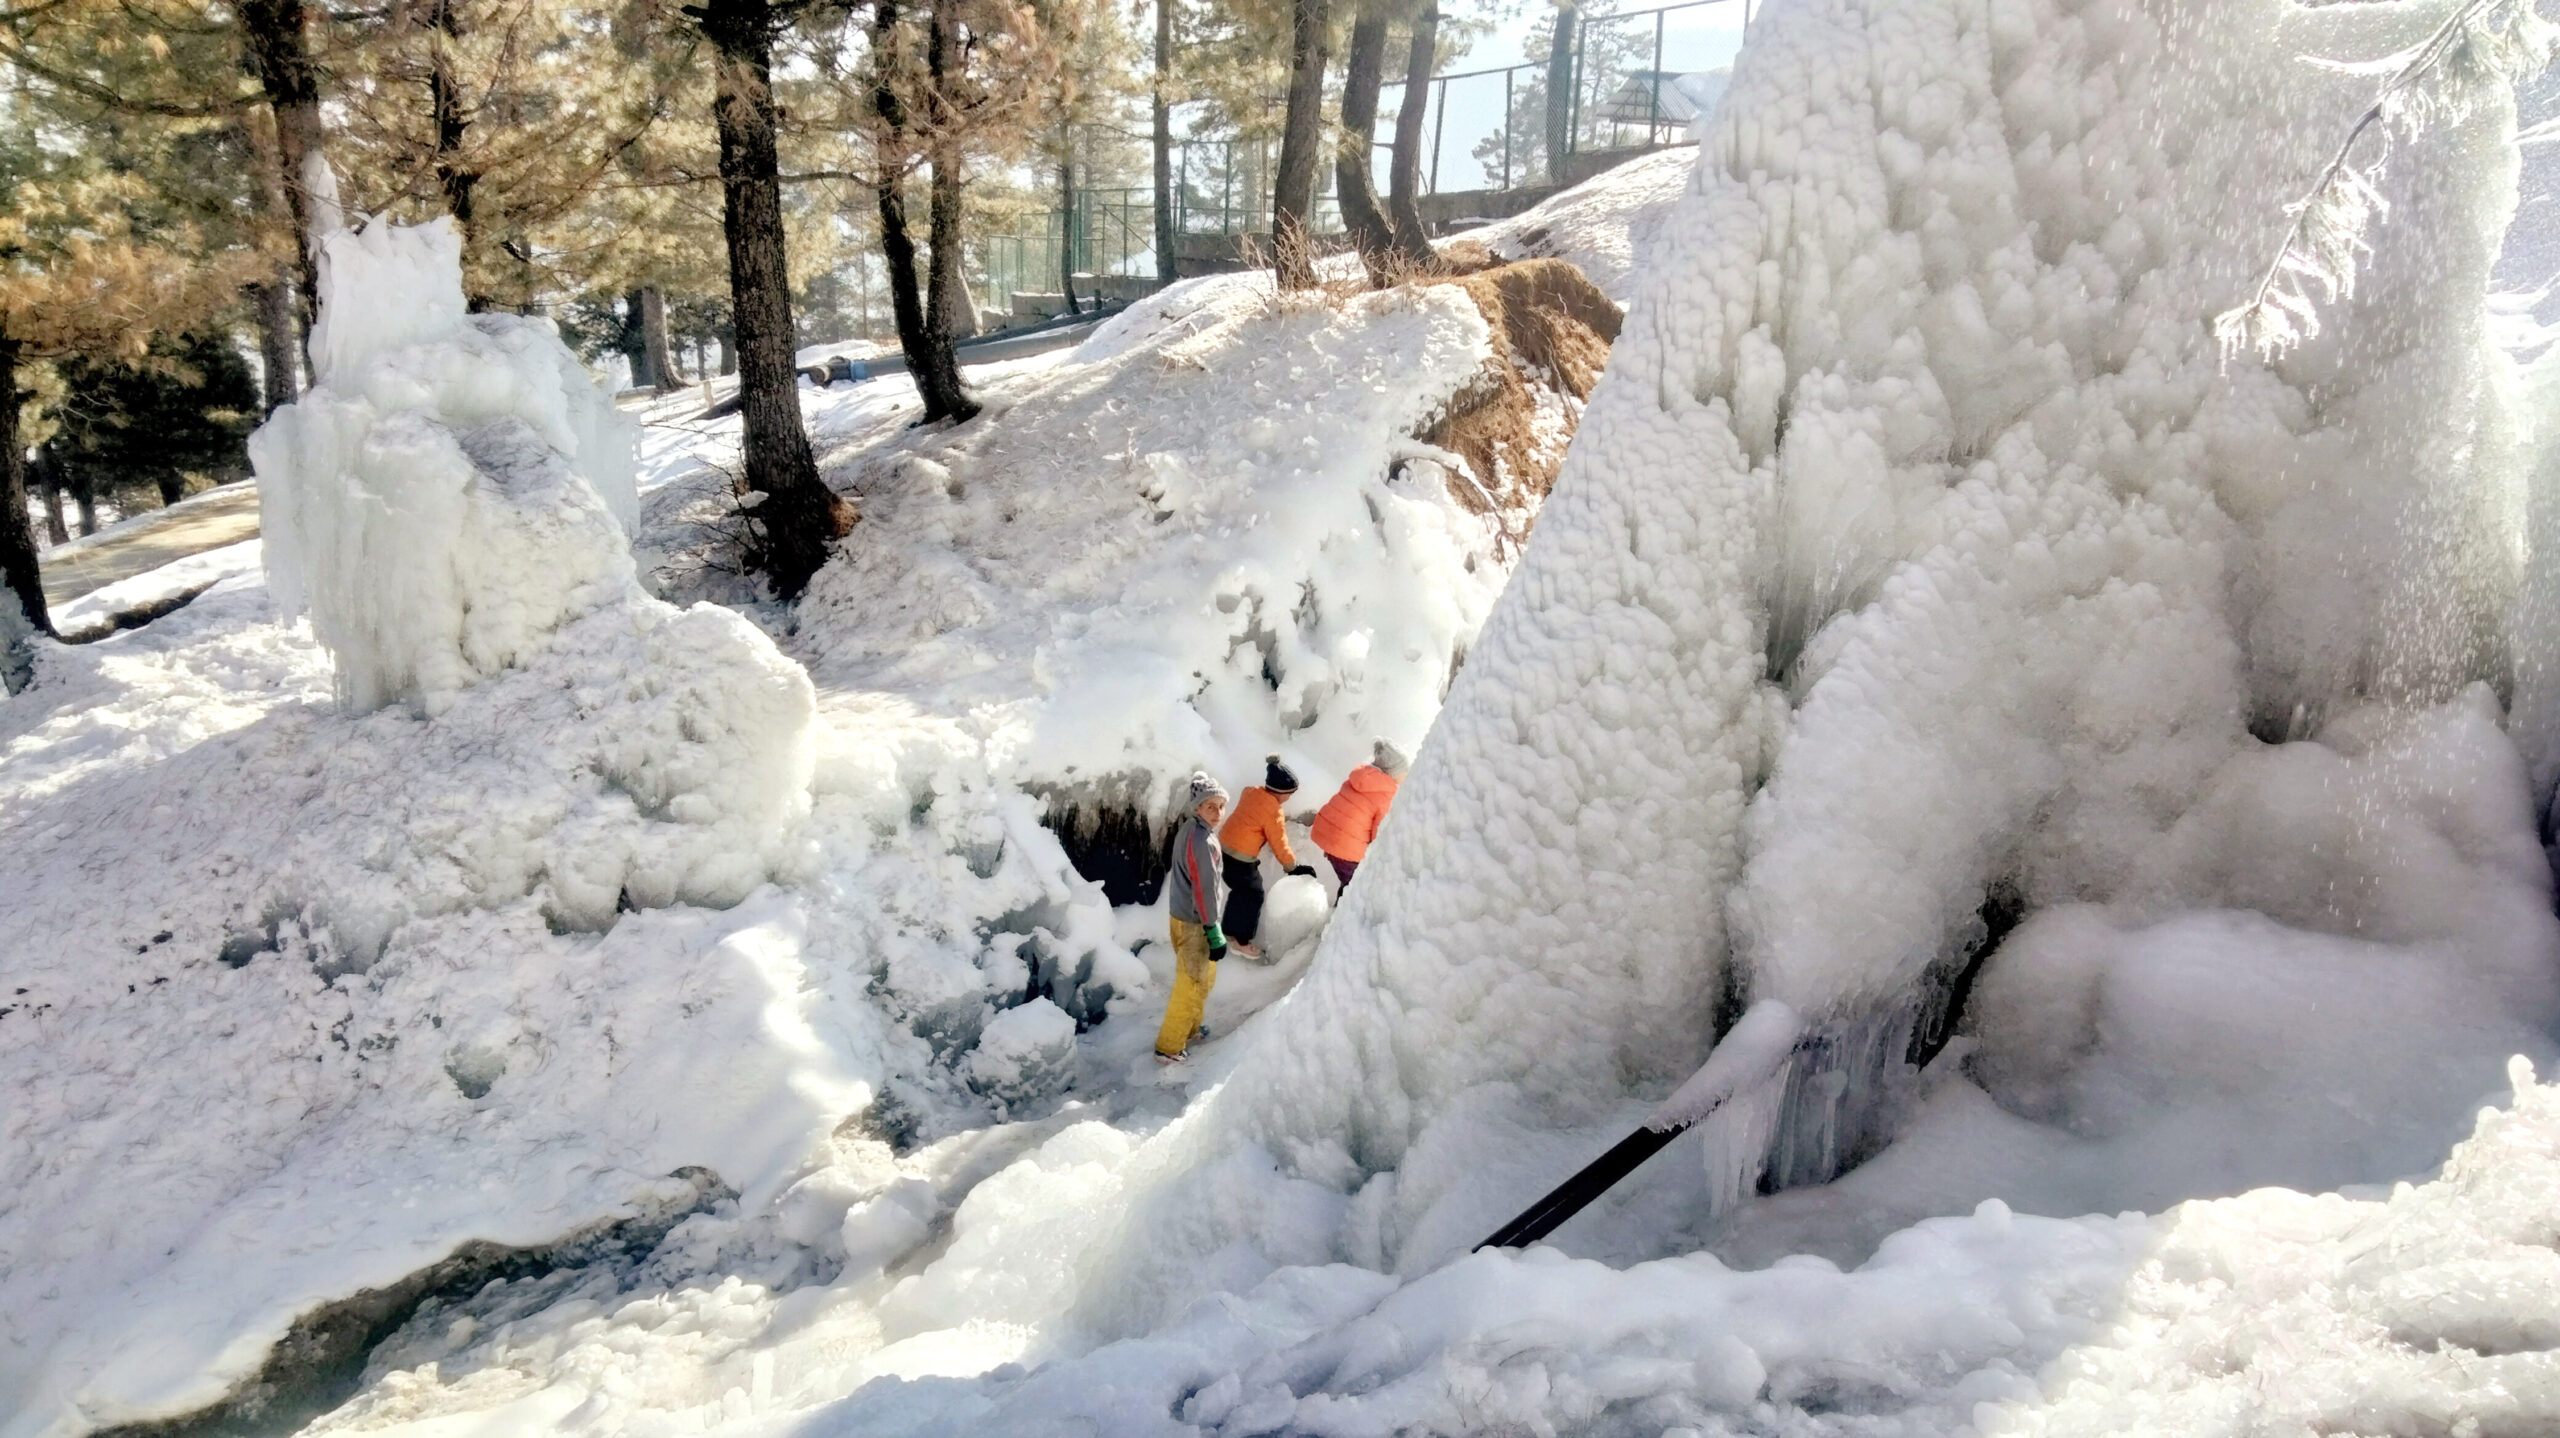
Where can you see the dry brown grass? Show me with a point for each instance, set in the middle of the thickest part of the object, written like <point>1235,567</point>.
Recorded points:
<point>1552,331</point>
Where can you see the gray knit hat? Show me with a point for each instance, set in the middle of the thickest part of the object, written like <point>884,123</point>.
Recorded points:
<point>1389,759</point>
<point>1203,789</point>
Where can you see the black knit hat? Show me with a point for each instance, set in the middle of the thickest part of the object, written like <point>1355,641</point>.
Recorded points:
<point>1276,776</point>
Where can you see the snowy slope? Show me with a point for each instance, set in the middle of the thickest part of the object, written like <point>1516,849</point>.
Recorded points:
<point>529,903</point>
<point>1602,225</point>
<point>1070,571</point>
<point>1920,572</point>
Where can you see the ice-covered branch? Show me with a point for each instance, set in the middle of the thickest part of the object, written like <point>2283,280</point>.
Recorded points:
<point>2481,42</point>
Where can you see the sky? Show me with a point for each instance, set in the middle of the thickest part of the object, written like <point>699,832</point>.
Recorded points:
<point>1696,36</point>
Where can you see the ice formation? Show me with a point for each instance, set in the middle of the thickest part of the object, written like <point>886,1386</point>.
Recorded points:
<point>453,488</point>
<point>326,989</point>
<point>1918,562</point>
<point>2429,1309</point>
<point>447,504</point>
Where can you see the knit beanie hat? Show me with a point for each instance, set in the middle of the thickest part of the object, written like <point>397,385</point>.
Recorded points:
<point>1203,789</point>
<point>1276,776</point>
<point>1389,759</point>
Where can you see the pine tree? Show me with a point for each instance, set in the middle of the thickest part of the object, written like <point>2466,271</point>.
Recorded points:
<point>938,81</point>
<point>1301,135</point>
<point>798,517</point>
<point>1160,126</point>
<point>512,118</point>
<point>1391,237</point>
<point>183,415</point>
<point>79,279</point>
<point>1404,166</point>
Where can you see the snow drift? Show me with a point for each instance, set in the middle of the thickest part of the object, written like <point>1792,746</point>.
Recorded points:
<point>302,994</point>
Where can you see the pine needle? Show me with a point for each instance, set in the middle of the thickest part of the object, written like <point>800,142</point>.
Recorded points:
<point>2481,44</point>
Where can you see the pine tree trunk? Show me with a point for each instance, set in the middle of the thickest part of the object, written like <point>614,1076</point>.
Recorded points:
<point>55,530</point>
<point>1363,71</point>
<point>18,566</point>
<point>947,300</point>
<point>1301,137</point>
<point>635,347</point>
<point>1560,91</point>
<point>280,54</point>
<point>918,340</point>
<point>931,361</point>
<point>276,300</point>
<point>1067,217</point>
<point>279,347</point>
<point>453,177</point>
<point>1168,242</point>
<point>658,355</point>
<point>946,292</point>
<point>85,498</point>
<point>799,517</point>
<point>1404,166</point>
<point>728,355</point>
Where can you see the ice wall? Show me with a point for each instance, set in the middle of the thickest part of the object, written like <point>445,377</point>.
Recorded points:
<point>453,488</point>
<point>1918,544</point>
<point>448,506</point>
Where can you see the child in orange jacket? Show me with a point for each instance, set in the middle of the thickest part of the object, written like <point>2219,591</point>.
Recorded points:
<point>1349,820</point>
<point>1256,824</point>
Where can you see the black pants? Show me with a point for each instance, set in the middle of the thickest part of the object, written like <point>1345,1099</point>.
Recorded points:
<point>1244,897</point>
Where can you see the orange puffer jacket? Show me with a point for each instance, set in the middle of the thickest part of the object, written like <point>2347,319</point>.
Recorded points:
<point>1350,819</point>
<point>1256,822</point>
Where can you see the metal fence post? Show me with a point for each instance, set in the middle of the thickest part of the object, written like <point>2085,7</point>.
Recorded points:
<point>1506,129</point>
<point>1573,99</point>
<point>1438,120</point>
<point>1653,87</point>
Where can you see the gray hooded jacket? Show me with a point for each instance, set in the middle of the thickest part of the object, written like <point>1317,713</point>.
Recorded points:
<point>1194,891</point>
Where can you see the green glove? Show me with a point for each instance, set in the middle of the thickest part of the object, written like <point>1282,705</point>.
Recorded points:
<point>1216,940</point>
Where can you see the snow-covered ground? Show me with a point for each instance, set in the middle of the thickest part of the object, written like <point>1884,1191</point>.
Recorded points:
<point>524,902</point>
<point>1921,590</point>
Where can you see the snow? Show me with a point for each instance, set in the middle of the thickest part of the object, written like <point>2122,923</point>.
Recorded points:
<point>1043,576</point>
<point>399,941</point>
<point>169,583</point>
<point>1602,225</point>
<point>2382,1313</point>
<point>1025,1055</point>
<point>579,889</point>
<point>1920,594</point>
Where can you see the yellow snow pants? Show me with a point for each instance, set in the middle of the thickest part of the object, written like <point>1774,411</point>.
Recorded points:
<point>1193,977</point>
